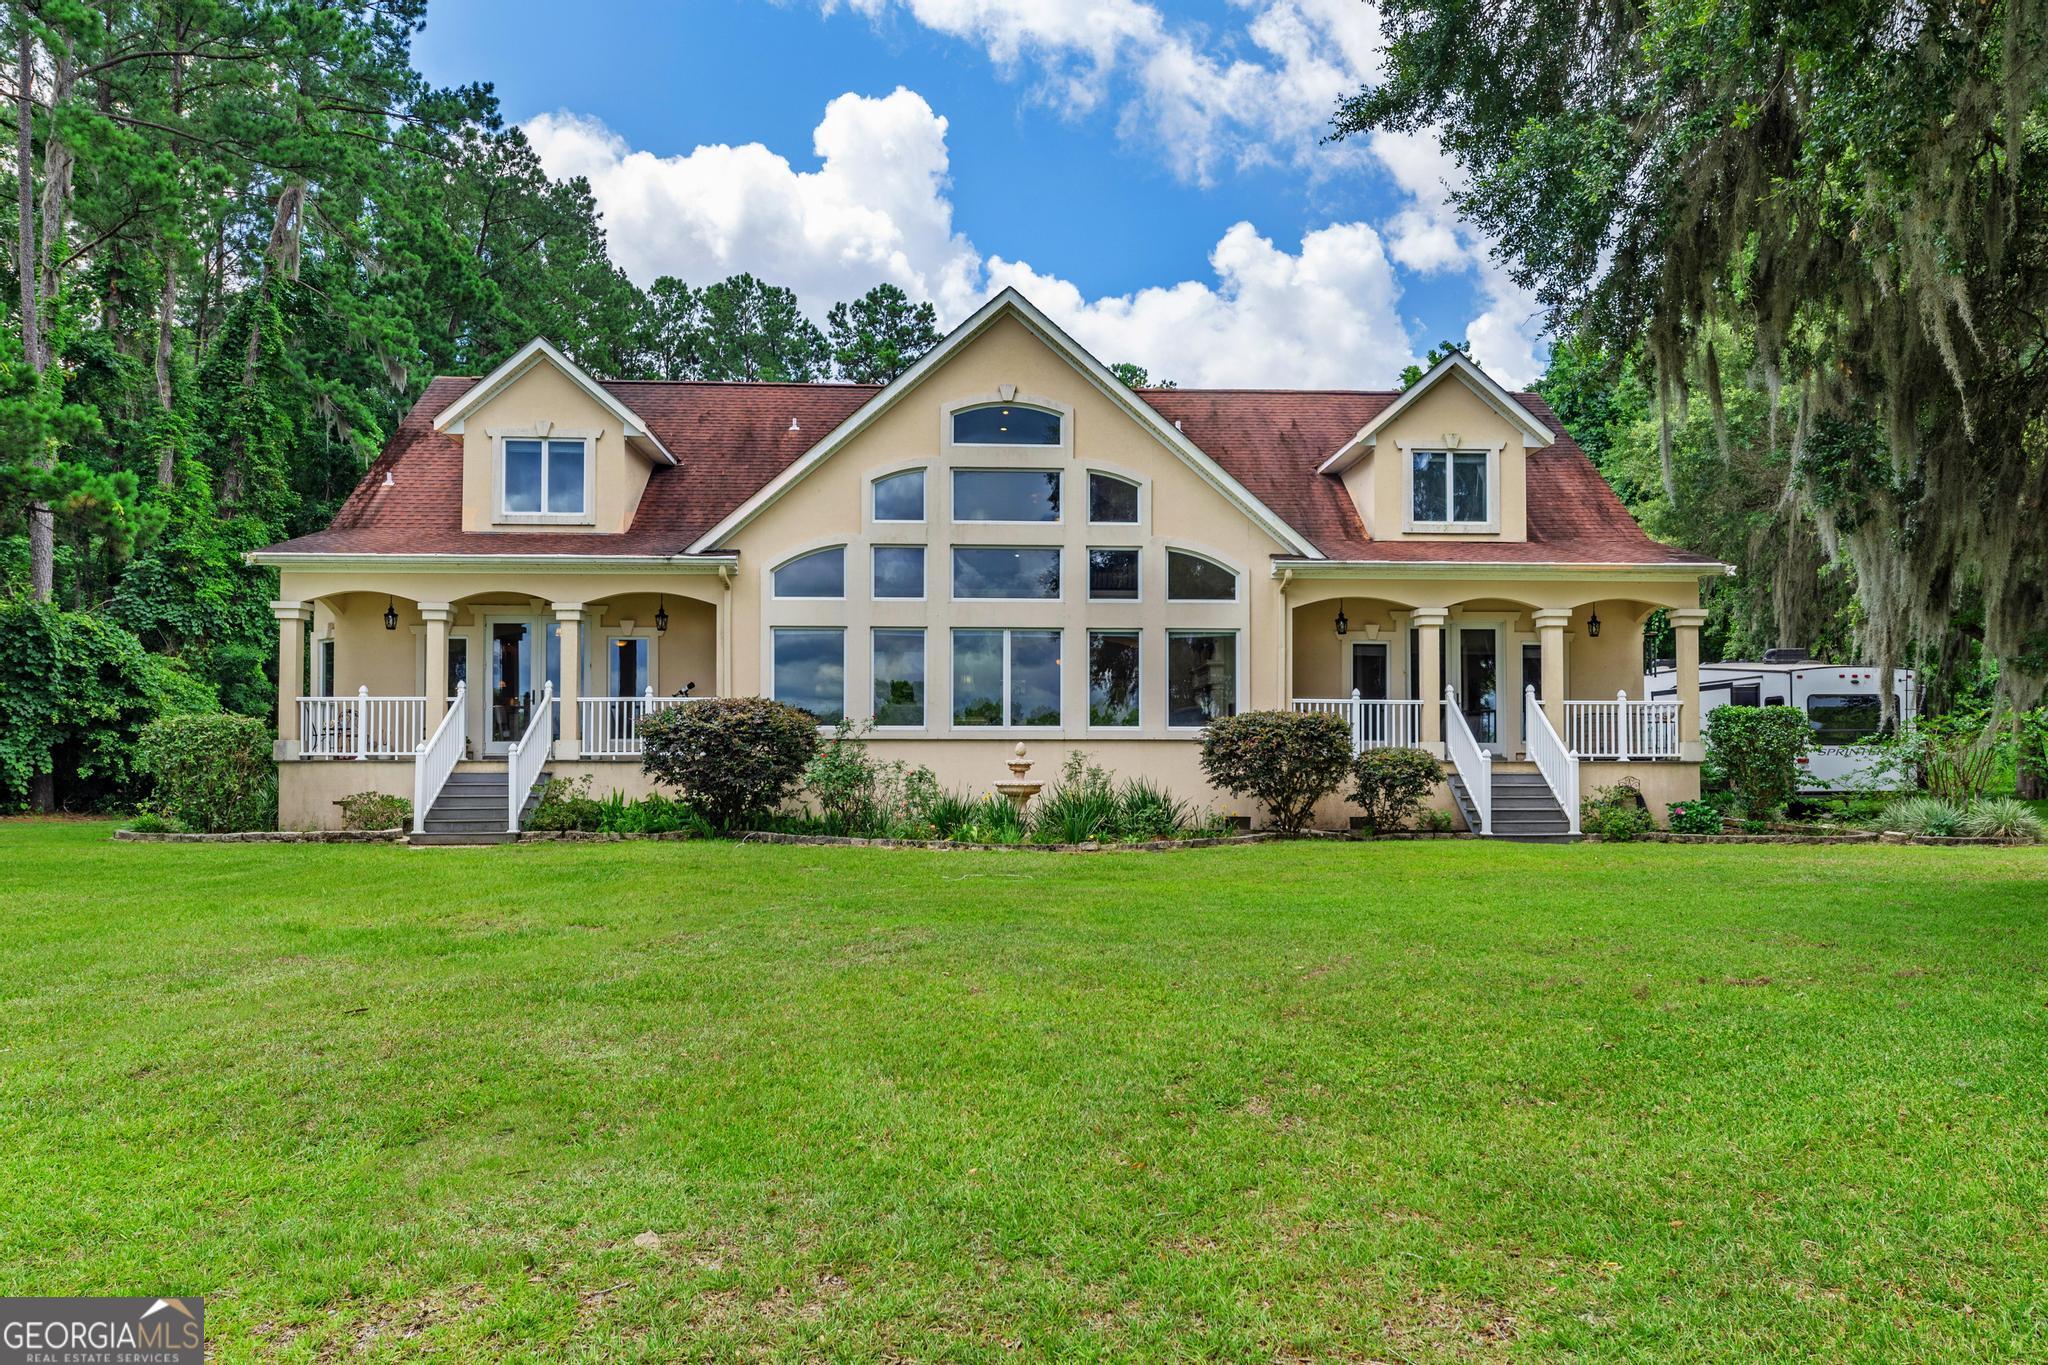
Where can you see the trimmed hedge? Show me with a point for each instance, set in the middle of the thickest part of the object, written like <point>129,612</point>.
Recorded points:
<point>213,773</point>
<point>1285,760</point>
<point>734,757</point>
<point>1757,748</point>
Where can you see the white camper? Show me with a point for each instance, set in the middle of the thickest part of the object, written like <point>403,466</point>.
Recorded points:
<point>1843,702</point>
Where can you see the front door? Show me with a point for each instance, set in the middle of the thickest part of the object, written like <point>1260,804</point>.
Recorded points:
<point>1369,670</point>
<point>1479,683</point>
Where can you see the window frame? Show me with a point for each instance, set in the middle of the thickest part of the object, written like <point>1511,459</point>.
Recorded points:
<point>1061,415</point>
<point>924,656</point>
<point>1236,673</point>
<point>775,592</point>
<point>775,634</point>
<point>1138,558</point>
<point>1236,578</point>
<point>1137,488</point>
<point>1008,634</point>
<point>1059,553</point>
<point>503,515</point>
<point>1820,741</point>
<point>924,496</point>
<point>1490,523</point>
<point>1138,683</point>
<point>924,573</point>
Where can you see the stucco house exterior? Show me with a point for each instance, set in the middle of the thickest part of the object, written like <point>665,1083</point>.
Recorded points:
<point>1003,544</point>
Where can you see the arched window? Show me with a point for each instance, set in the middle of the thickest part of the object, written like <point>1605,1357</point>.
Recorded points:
<point>1005,424</point>
<point>821,573</point>
<point>900,497</point>
<point>1191,578</point>
<point>1112,501</point>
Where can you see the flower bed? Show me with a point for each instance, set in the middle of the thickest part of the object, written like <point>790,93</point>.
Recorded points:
<point>265,836</point>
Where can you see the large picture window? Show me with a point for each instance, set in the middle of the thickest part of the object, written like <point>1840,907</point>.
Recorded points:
<point>1191,578</point>
<point>1006,495</point>
<point>1027,574</point>
<point>810,671</point>
<point>899,677</point>
<point>1450,487</point>
<point>1113,677</point>
<point>899,571</point>
<point>1006,677</point>
<point>544,479</point>
<point>1006,424</point>
<point>1201,677</point>
<point>900,497</point>
<point>821,573</point>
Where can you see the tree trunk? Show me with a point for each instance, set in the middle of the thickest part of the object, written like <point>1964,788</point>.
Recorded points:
<point>42,525</point>
<point>2032,784</point>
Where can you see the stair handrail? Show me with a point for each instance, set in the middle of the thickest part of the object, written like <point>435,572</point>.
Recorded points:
<point>1558,764</point>
<point>1473,763</point>
<point>436,758</point>
<point>528,755</point>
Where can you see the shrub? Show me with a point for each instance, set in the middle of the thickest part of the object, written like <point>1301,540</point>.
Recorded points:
<point>149,822</point>
<point>1079,807</point>
<point>1694,817</point>
<point>1615,813</point>
<point>374,810</point>
<point>1757,748</point>
<point>1927,816</point>
<point>565,804</point>
<point>1146,811</point>
<point>1435,820</point>
<point>842,779</point>
<point>2002,817</point>
<point>992,820</point>
<point>213,774</point>
<point>1390,785</point>
<point>948,812</point>
<point>1284,760</point>
<point>734,757</point>
<point>1956,755</point>
<point>651,814</point>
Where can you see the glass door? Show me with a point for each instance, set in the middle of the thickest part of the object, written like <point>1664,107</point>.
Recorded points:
<point>1369,671</point>
<point>1478,682</point>
<point>512,685</point>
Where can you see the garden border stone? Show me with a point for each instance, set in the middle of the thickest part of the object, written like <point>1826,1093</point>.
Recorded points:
<point>265,836</point>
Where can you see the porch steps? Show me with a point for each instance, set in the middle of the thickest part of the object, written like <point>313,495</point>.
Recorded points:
<point>471,808</point>
<point>1524,810</point>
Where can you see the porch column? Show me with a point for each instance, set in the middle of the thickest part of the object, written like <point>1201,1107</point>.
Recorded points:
<point>1429,634</point>
<point>569,616</point>
<point>1550,624</point>
<point>437,615</point>
<point>291,672</point>
<point>1686,623</point>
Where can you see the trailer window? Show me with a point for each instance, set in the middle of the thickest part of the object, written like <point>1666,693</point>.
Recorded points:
<point>1744,693</point>
<point>1841,719</point>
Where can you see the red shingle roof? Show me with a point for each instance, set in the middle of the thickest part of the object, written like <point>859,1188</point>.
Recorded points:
<point>732,439</point>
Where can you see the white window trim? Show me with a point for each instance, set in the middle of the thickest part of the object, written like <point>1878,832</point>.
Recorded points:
<point>840,631</point>
<point>924,647</point>
<point>1237,671</point>
<point>954,472</point>
<point>924,496</point>
<point>1088,574</point>
<point>324,652</point>
<point>1137,485</point>
<point>1236,578</point>
<point>543,432</point>
<point>1139,725</point>
<point>1006,725</point>
<point>775,593</point>
<point>953,574</point>
<point>1491,525</point>
<point>925,578</point>
<point>1059,410</point>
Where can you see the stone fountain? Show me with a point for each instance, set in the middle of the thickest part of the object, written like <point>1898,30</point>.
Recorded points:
<point>1018,789</point>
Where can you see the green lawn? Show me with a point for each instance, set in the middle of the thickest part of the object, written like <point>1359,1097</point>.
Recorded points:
<point>1395,1101</point>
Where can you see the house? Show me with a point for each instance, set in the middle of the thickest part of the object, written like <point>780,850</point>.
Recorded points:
<point>1003,544</point>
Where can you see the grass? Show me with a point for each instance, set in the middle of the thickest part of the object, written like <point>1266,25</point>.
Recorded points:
<point>1398,1101</point>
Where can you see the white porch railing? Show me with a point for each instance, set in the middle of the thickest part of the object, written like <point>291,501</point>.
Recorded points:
<point>1622,729</point>
<point>361,726</point>
<point>436,758</point>
<point>1559,765</point>
<point>528,755</point>
<point>1374,724</point>
<point>1473,763</point>
<point>611,725</point>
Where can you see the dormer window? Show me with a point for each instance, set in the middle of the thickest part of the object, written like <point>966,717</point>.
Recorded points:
<point>545,480</point>
<point>1006,424</point>
<point>1451,490</point>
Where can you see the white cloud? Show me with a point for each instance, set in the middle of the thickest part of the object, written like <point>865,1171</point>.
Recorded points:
<point>876,209</point>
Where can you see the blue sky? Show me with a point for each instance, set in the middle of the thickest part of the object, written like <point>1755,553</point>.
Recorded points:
<point>1149,173</point>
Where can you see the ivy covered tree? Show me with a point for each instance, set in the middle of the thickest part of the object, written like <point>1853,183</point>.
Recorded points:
<point>1857,190</point>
